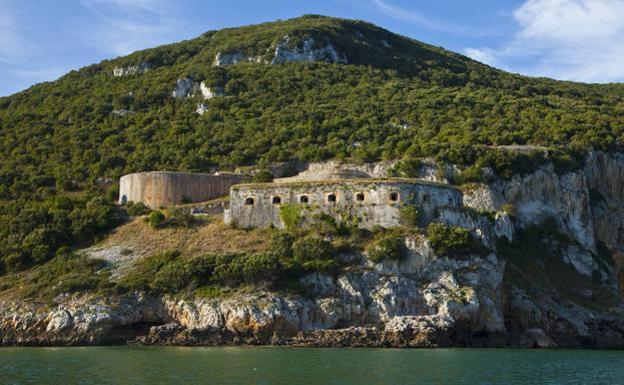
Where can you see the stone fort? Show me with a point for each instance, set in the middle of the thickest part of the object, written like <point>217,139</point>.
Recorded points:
<point>358,194</point>
<point>165,188</point>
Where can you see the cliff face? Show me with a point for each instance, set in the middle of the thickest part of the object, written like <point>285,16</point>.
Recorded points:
<point>586,204</point>
<point>421,301</point>
<point>564,291</point>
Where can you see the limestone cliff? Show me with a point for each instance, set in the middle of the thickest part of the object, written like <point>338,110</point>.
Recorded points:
<point>563,291</point>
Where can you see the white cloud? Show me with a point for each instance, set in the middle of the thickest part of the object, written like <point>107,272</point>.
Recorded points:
<point>565,39</point>
<point>128,25</point>
<point>484,55</point>
<point>127,6</point>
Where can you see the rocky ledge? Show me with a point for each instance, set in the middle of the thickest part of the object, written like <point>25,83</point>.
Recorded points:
<point>423,301</point>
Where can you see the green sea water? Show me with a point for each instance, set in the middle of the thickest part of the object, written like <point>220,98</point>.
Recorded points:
<point>291,366</point>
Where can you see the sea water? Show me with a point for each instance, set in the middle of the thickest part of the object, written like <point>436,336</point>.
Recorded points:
<point>298,366</point>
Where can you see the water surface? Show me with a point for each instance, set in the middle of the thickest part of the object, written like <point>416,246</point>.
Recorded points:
<point>289,366</point>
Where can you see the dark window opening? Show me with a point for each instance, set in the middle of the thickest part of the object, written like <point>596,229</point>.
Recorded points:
<point>331,198</point>
<point>425,198</point>
<point>277,200</point>
<point>394,197</point>
<point>249,202</point>
<point>303,199</point>
<point>359,197</point>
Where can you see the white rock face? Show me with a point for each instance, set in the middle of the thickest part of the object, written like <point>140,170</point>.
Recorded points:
<point>59,320</point>
<point>225,59</point>
<point>131,70</point>
<point>185,88</point>
<point>122,112</point>
<point>210,92</point>
<point>201,108</point>
<point>503,226</point>
<point>307,52</point>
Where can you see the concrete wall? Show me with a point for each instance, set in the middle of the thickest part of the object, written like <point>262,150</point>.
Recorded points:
<point>165,188</point>
<point>377,208</point>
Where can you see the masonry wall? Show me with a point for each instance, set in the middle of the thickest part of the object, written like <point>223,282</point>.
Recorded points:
<point>165,188</point>
<point>376,208</point>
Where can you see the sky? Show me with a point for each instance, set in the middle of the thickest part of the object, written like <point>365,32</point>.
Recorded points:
<point>578,40</point>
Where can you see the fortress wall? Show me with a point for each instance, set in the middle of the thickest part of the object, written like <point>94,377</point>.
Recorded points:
<point>377,208</point>
<point>163,188</point>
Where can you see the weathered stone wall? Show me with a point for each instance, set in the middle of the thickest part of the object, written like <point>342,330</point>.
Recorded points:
<point>336,170</point>
<point>258,205</point>
<point>165,188</point>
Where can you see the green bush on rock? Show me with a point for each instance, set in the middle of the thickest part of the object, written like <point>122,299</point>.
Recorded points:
<point>387,246</point>
<point>451,240</point>
<point>156,219</point>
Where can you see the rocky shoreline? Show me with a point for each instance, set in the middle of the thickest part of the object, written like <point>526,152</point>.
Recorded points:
<point>569,296</point>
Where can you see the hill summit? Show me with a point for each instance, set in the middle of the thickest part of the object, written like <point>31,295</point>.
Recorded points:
<point>306,89</point>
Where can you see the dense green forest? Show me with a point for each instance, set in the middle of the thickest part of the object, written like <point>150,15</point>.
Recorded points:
<point>396,98</point>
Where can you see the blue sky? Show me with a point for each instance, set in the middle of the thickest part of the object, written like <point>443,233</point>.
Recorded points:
<point>566,39</point>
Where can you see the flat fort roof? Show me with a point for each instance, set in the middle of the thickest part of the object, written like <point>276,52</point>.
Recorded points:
<point>361,181</point>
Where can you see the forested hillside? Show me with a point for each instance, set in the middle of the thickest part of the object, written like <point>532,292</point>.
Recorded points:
<point>390,98</point>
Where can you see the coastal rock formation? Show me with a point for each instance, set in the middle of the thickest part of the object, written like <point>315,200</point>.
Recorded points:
<point>481,298</point>
<point>432,300</point>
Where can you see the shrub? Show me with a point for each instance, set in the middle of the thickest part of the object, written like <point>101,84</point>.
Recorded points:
<point>263,176</point>
<point>387,246</point>
<point>144,276</point>
<point>510,209</point>
<point>325,224</point>
<point>311,248</point>
<point>137,209</point>
<point>409,167</point>
<point>565,162</point>
<point>409,215</point>
<point>182,217</point>
<point>18,261</point>
<point>290,214</point>
<point>156,219</point>
<point>281,244</point>
<point>112,193</point>
<point>260,268</point>
<point>172,277</point>
<point>447,240</point>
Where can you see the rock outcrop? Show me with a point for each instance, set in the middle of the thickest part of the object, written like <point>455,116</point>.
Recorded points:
<point>481,298</point>
<point>425,297</point>
<point>210,92</point>
<point>131,70</point>
<point>185,88</point>
<point>308,50</point>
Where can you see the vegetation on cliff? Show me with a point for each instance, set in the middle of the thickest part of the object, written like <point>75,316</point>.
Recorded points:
<point>64,141</point>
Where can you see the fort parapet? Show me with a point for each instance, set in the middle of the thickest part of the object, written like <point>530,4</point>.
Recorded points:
<point>166,188</point>
<point>368,202</point>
